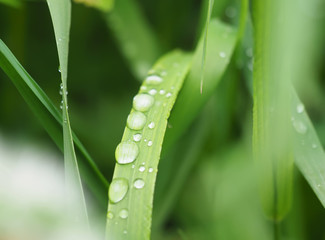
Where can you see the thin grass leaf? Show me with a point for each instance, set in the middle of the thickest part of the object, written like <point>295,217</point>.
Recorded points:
<point>138,43</point>
<point>104,5</point>
<point>61,16</point>
<point>11,3</point>
<point>131,191</point>
<point>211,2</point>
<point>308,150</point>
<point>190,100</point>
<point>50,118</point>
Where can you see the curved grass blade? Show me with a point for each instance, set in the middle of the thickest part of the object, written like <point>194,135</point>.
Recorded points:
<point>272,143</point>
<point>138,43</point>
<point>308,150</point>
<point>190,101</point>
<point>50,117</point>
<point>61,17</point>
<point>131,191</point>
<point>104,5</point>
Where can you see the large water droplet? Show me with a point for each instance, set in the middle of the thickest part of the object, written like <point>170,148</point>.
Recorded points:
<point>299,126</point>
<point>143,102</point>
<point>118,189</point>
<point>137,137</point>
<point>138,183</point>
<point>300,108</point>
<point>154,79</point>
<point>126,152</point>
<point>151,125</point>
<point>136,120</point>
<point>124,213</point>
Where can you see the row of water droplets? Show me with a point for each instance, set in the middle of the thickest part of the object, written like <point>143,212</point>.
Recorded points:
<point>128,151</point>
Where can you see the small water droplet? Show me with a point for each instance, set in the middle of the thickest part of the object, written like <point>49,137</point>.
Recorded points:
<point>61,106</point>
<point>61,85</point>
<point>126,152</point>
<point>142,169</point>
<point>110,215</point>
<point>162,92</point>
<point>149,143</point>
<point>124,213</point>
<point>222,54</point>
<point>152,91</point>
<point>133,166</point>
<point>300,108</point>
<point>138,183</point>
<point>299,126</point>
<point>60,39</point>
<point>118,189</point>
<point>168,95</point>
<point>143,88</point>
<point>154,79</point>
<point>143,102</point>
<point>151,125</point>
<point>59,69</point>
<point>125,232</point>
<point>136,120</point>
<point>318,185</point>
<point>314,145</point>
<point>150,170</point>
<point>60,92</point>
<point>137,137</point>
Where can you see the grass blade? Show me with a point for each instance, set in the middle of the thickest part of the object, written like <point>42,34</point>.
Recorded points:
<point>190,100</point>
<point>131,191</point>
<point>104,5</point>
<point>61,17</point>
<point>49,117</point>
<point>11,3</point>
<point>138,43</point>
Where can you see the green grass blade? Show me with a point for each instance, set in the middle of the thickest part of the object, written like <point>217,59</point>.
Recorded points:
<point>308,150</point>
<point>61,17</point>
<point>11,3</point>
<point>271,127</point>
<point>104,5</point>
<point>138,43</point>
<point>49,116</point>
<point>204,49</point>
<point>131,191</point>
<point>190,101</point>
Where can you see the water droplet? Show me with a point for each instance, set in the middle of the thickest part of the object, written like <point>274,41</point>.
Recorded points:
<point>299,126</point>
<point>137,137</point>
<point>162,92</point>
<point>300,108</point>
<point>222,54</point>
<point>154,79</point>
<point>118,189</point>
<point>136,120</point>
<point>142,169</point>
<point>151,125</point>
<point>149,143</point>
<point>138,183</point>
<point>125,232</point>
<point>143,102</point>
<point>152,91</point>
<point>133,166</point>
<point>249,52</point>
<point>126,152</point>
<point>314,145</point>
<point>150,170</point>
<point>143,88</point>
<point>168,95</point>
<point>318,185</point>
<point>124,213</point>
<point>110,215</point>
<point>60,92</point>
<point>61,85</point>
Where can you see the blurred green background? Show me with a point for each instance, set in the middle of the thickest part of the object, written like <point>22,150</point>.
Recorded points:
<point>219,199</point>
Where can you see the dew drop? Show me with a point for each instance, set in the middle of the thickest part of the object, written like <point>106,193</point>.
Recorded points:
<point>133,166</point>
<point>110,215</point>
<point>152,91</point>
<point>138,183</point>
<point>60,92</point>
<point>222,54</point>
<point>61,85</point>
<point>136,120</point>
<point>162,92</point>
<point>143,102</point>
<point>299,126</point>
<point>168,95</point>
<point>149,143</point>
<point>143,88</point>
<point>151,125</point>
<point>124,213</point>
<point>142,169</point>
<point>300,108</point>
<point>314,145</point>
<point>154,79</point>
<point>318,185</point>
<point>118,189</point>
<point>125,232</point>
<point>137,137</point>
<point>126,152</point>
<point>150,170</point>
